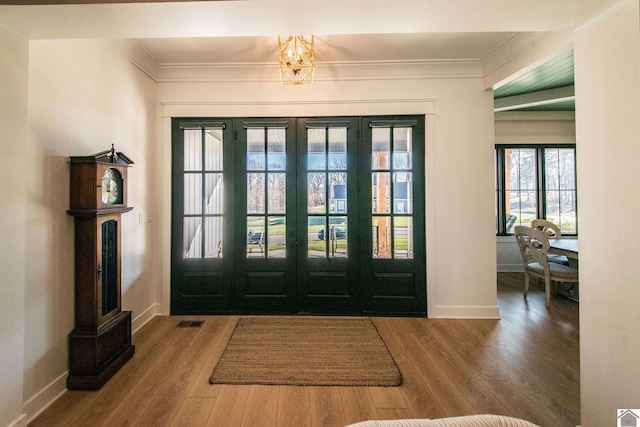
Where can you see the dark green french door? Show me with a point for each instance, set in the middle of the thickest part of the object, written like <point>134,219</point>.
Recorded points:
<point>327,232</point>
<point>306,215</point>
<point>265,278</point>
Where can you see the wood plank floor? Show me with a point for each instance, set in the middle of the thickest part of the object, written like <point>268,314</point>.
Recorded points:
<point>525,365</point>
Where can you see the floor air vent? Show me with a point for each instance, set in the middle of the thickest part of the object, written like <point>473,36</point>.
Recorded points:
<point>190,323</point>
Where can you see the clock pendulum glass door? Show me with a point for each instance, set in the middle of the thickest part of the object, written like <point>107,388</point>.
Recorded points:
<point>109,268</point>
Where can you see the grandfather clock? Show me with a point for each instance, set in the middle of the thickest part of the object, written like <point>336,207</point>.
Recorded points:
<point>100,343</point>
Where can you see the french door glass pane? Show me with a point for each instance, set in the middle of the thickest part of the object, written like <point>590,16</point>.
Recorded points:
<point>213,193</point>
<point>276,229</point>
<point>403,237</point>
<point>213,237</point>
<point>255,149</point>
<point>337,148</point>
<point>337,237</point>
<point>338,192</point>
<point>402,148</point>
<point>380,185</point>
<point>277,193</point>
<point>381,149</point>
<point>192,193</point>
<point>316,232</point>
<point>316,149</point>
<point>402,193</point>
<point>255,193</point>
<point>192,237</point>
<point>213,150</point>
<point>316,192</point>
<point>276,155</point>
<point>192,149</point>
<point>381,229</point>
<point>255,237</point>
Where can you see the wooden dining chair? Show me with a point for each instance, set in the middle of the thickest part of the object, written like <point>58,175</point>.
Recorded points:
<point>534,245</point>
<point>553,232</point>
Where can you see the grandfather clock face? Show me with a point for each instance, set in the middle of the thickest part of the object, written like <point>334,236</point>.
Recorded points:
<point>111,187</point>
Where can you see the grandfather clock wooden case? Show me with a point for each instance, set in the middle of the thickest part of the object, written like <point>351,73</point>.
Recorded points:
<point>100,343</point>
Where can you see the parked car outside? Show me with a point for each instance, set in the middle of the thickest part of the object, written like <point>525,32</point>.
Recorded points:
<point>339,233</point>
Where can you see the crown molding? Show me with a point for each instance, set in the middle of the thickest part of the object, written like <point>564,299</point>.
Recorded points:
<point>356,71</point>
<point>138,56</point>
<point>268,72</point>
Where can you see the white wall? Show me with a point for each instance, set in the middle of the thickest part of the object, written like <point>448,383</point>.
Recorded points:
<point>607,64</point>
<point>13,141</point>
<point>83,96</point>
<point>461,246</point>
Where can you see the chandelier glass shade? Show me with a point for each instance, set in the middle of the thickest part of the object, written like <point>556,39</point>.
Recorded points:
<point>297,60</point>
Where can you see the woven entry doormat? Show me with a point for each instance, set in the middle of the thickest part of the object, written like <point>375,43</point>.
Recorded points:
<point>306,351</point>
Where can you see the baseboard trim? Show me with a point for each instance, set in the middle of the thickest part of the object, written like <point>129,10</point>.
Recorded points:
<point>510,268</point>
<point>145,316</point>
<point>20,422</point>
<point>43,399</point>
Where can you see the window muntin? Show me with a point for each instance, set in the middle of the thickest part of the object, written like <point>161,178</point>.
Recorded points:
<point>536,182</point>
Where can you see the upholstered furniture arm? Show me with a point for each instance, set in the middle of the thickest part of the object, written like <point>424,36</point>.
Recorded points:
<point>466,421</point>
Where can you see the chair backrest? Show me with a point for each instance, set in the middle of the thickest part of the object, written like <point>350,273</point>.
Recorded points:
<point>552,230</point>
<point>533,244</point>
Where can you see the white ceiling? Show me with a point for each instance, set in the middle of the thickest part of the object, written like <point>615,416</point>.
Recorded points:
<point>328,48</point>
<point>237,32</point>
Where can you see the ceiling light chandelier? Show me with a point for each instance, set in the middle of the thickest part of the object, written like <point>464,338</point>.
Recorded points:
<point>297,60</point>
